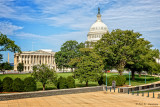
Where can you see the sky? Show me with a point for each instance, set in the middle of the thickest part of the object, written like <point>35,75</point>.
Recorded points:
<point>47,24</point>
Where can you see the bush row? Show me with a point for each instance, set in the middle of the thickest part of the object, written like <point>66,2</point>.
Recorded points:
<point>63,82</point>
<point>17,85</point>
<point>120,80</point>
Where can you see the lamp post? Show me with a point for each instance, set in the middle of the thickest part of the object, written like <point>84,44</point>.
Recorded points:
<point>129,78</point>
<point>145,78</point>
<point>106,81</point>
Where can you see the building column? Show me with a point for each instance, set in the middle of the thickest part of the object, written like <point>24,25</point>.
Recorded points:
<point>50,60</point>
<point>36,59</point>
<point>47,59</point>
<point>44,60</point>
<point>41,60</point>
<point>29,59</point>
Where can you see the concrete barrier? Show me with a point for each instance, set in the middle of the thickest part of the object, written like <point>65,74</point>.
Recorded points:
<point>49,93</point>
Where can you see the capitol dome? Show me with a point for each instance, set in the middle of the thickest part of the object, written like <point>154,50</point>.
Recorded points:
<point>97,29</point>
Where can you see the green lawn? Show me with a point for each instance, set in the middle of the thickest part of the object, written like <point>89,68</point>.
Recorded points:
<point>141,80</point>
<point>138,80</point>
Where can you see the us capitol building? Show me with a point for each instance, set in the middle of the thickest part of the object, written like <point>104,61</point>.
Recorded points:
<point>46,56</point>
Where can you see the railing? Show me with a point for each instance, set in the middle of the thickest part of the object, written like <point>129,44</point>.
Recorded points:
<point>152,94</point>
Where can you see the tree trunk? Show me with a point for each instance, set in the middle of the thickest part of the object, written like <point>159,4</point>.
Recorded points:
<point>120,72</point>
<point>139,74</point>
<point>71,69</point>
<point>63,69</point>
<point>133,75</point>
<point>121,66</point>
<point>86,83</point>
<point>43,87</point>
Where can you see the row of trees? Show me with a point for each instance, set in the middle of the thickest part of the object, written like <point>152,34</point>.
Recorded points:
<point>119,49</point>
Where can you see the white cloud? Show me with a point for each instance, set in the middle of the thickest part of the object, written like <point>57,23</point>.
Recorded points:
<point>11,11</point>
<point>139,15</point>
<point>8,28</point>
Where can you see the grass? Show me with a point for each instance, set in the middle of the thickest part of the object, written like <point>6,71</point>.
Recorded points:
<point>141,80</point>
<point>138,80</point>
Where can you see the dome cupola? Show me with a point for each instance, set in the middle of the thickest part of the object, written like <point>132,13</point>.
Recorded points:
<point>97,29</point>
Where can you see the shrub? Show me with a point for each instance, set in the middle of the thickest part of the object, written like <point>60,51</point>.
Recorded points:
<point>61,84</point>
<point>7,84</point>
<point>1,86</point>
<point>100,81</point>
<point>70,82</point>
<point>110,79</point>
<point>18,85</point>
<point>121,80</point>
<point>30,84</point>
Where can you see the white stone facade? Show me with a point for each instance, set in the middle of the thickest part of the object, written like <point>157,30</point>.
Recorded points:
<point>31,58</point>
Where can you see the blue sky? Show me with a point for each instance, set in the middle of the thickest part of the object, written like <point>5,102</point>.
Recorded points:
<point>47,24</point>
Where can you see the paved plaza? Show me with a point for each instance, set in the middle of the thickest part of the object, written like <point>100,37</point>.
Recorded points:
<point>92,99</point>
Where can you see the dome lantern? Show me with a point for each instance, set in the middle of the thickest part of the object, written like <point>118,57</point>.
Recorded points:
<point>98,15</point>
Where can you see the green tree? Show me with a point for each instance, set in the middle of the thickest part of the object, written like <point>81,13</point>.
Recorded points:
<point>117,48</point>
<point>20,67</point>
<point>69,50</point>
<point>89,67</point>
<point>60,59</point>
<point>1,57</point>
<point>44,74</point>
<point>5,66</point>
<point>143,57</point>
<point>7,45</point>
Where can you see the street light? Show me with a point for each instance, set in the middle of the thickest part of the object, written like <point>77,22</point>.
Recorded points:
<point>129,78</point>
<point>145,78</point>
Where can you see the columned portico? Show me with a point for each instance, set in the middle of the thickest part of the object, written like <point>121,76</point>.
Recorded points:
<point>31,58</point>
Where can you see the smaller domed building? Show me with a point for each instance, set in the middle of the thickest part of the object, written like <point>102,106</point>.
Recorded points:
<point>97,29</point>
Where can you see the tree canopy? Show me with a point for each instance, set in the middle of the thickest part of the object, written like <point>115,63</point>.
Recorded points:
<point>7,44</point>
<point>89,66</point>
<point>44,74</point>
<point>69,50</point>
<point>121,48</point>
<point>20,67</point>
<point>5,66</point>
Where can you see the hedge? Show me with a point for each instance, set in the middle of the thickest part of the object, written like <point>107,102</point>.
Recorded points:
<point>62,84</point>
<point>18,85</point>
<point>70,82</point>
<point>7,84</point>
<point>120,80</point>
<point>30,84</point>
<point>1,86</point>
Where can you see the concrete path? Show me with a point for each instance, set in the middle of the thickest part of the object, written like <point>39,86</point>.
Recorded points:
<point>92,99</point>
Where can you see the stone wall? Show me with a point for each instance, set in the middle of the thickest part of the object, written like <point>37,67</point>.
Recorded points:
<point>145,87</point>
<point>49,93</point>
